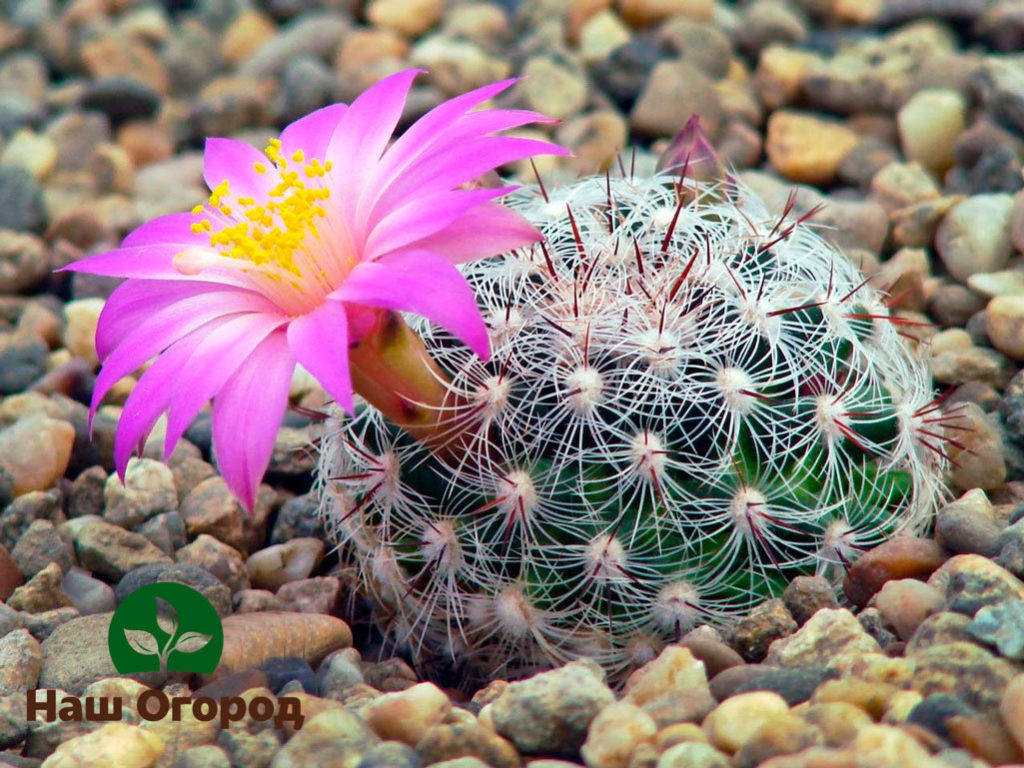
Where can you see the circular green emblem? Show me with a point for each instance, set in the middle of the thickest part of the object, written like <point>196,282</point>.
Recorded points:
<point>165,627</point>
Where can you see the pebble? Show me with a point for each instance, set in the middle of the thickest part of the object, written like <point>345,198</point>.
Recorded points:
<point>1011,708</point>
<point>211,508</point>
<point>72,657</point>
<point>981,462</point>
<point>87,595</point>
<point>969,525</point>
<point>898,558</point>
<point>615,734</point>
<point>713,653</point>
<point>110,550</point>
<point>1005,324</point>
<point>23,260</point>
<point>889,747</point>
<point>20,661</point>
<point>940,628</point>
<point>17,516</point>
<point>905,603</point>
<point>785,735</point>
<point>953,305</point>
<point>314,34</point>
<point>692,755</point>
<point>407,715</point>
<point>410,18</point>
<point>972,581</point>
<point>674,92</point>
<point>897,184</point>
<point>218,558</point>
<point>601,34</point>
<point>148,491</point>
<point>738,718</point>
<point>805,148</point>
<point>41,593</point>
<point>794,685</point>
<point>552,88</point>
<point>280,564</point>
<point>127,746</point>
<point>23,361</point>
<point>80,319</point>
<point>825,635</point>
<point>675,668</point>
<point>467,739</point>
<point>1008,282</point>
<point>457,66</point>
<point>837,721</point>
<point>252,638</point>
<point>1001,625</point>
<point>965,670</point>
<point>640,13</point>
<point>22,207</point>
<point>38,547</point>
<point>752,635</point>
<point>247,32</point>
<point>974,235</point>
<point>550,712</point>
<point>317,595</point>
<point>10,576</point>
<point>929,124</point>
<point>35,451</point>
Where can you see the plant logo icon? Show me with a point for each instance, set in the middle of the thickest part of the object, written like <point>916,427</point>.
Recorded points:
<point>165,627</point>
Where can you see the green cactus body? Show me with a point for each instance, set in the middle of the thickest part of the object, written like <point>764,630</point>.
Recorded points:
<point>689,402</point>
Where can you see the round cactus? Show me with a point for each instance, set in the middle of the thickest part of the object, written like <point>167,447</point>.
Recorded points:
<point>689,401</point>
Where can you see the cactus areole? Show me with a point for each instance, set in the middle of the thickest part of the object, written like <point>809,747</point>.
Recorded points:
<point>689,401</point>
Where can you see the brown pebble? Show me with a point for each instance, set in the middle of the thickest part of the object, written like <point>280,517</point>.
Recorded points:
<point>900,558</point>
<point>10,576</point>
<point>233,684</point>
<point>716,656</point>
<point>726,682</point>
<point>252,638</point>
<point>984,738</point>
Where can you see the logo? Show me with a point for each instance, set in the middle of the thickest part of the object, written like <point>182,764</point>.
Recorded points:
<point>165,627</point>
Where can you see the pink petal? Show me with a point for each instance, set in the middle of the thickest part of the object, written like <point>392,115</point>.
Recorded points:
<point>457,165</point>
<point>400,157</point>
<point>424,216</point>
<point>420,137</point>
<point>211,364</point>
<point>247,413</point>
<point>133,302</point>
<point>159,331</point>
<point>423,283</point>
<point>319,342</point>
<point>150,397</point>
<point>313,132</point>
<point>233,161</point>
<point>484,231</point>
<point>174,228</point>
<point>368,124</point>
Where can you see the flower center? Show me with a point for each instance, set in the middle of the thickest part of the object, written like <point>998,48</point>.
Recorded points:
<point>276,239</point>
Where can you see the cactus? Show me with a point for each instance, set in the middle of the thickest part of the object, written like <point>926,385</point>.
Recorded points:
<point>689,402</point>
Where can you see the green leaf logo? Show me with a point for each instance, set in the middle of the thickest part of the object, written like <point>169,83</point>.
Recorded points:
<point>165,627</point>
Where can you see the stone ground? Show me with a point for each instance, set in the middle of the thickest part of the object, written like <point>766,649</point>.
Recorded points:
<point>905,116</point>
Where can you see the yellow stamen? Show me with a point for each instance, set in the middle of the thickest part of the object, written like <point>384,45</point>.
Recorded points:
<point>270,234</point>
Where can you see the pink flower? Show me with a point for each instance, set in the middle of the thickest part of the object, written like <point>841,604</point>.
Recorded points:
<point>292,259</point>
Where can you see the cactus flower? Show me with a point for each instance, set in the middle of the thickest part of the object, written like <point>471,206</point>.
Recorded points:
<point>302,252</point>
